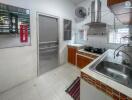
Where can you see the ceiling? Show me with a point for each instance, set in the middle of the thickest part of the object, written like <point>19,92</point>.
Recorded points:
<point>77,1</point>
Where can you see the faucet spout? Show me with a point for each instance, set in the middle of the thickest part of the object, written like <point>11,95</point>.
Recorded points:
<point>124,45</point>
<point>126,61</point>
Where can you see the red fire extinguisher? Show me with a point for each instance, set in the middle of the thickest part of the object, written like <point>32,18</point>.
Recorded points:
<point>24,33</point>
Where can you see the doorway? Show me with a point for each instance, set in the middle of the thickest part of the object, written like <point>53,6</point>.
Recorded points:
<point>48,43</point>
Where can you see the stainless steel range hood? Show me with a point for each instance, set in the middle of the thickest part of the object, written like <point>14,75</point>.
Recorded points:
<point>96,15</point>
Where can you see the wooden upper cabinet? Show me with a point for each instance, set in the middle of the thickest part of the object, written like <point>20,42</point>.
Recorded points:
<point>118,7</point>
<point>123,14</point>
<point>113,2</point>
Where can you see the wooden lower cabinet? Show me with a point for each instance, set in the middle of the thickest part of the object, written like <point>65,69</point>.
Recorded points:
<point>83,61</point>
<point>78,58</point>
<point>72,55</point>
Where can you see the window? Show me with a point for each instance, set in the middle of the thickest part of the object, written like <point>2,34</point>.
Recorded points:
<point>67,29</point>
<point>116,37</point>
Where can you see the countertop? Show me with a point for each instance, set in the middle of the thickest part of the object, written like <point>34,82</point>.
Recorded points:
<point>115,85</point>
<point>76,45</point>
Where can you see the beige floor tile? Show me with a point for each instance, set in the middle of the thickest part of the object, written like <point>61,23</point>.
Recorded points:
<point>50,86</point>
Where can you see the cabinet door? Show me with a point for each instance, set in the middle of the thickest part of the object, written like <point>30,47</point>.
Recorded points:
<point>83,61</point>
<point>72,55</point>
<point>122,14</point>
<point>89,92</point>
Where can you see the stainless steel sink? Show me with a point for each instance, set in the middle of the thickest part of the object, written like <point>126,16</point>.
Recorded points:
<point>119,73</point>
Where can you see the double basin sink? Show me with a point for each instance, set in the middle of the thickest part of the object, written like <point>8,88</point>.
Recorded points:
<point>117,72</point>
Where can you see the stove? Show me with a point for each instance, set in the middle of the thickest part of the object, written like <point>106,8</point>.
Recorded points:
<point>95,50</point>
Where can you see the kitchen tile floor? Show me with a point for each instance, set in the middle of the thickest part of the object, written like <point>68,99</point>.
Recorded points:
<point>50,86</point>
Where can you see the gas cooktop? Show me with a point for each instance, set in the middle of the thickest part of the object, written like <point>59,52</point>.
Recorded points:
<point>95,50</point>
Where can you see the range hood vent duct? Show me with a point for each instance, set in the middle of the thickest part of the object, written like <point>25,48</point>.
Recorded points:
<point>96,15</point>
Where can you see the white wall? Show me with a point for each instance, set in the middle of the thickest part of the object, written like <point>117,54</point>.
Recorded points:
<point>19,64</point>
<point>107,17</point>
<point>89,92</point>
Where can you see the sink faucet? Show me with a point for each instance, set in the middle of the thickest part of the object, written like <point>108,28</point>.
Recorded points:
<point>125,61</point>
<point>124,45</point>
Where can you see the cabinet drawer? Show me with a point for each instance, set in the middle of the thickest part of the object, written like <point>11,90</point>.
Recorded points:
<point>88,54</point>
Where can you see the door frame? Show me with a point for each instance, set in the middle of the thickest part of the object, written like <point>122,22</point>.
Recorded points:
<point>58,19</point>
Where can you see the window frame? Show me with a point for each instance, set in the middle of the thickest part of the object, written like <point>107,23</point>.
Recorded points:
<point>115,33</point>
